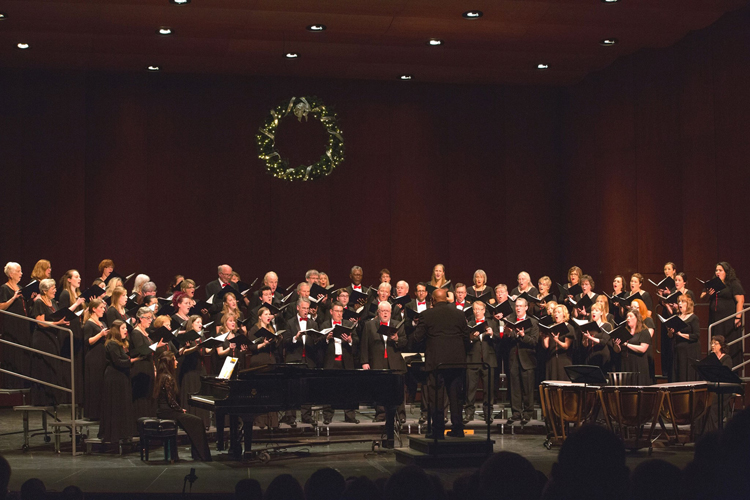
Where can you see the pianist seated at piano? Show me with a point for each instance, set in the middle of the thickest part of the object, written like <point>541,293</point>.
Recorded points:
<point>165,392</point>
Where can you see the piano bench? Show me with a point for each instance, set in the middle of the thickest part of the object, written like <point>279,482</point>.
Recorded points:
<point>154,428</point>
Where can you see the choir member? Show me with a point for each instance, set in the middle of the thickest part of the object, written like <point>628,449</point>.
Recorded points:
<point>42,270</point>
<point>264,351</point>
<point>70,290</point>
<point>636,281</point>
<point>438,280</point>
<point>618,291</point>
<point>339,355</point>
<point>175,284</point>
<point>166,322</point>
<point>559,346</point>
<point>182,315</point>
<point>720,353</point>
<point>649,324</point>
<point>312,276</point>
<point>148,290</point>
<point>670,271</point>
<point>501,295</point>
<point>728,301</point>
<point>271,280</point>
<point>265,297</point>
<point>229,305</point>
<point>187,287</point>
<point>50,340</point>
<point>94,337</point>
<point>402,290</point>
<point>634,358</point>
<point>686,342</point>
<point>106,268</point>
<point>383,352</point>
<point>384,276</point>
<point>323,280</point>
<point>301,348</point>
<point>587,285</point>
<point>666,341</point>
<point>544,285</point>
<point>229,347</point>
<point>522,363</point>
<point>574,278</point>
<point>165,393</point>
<point>603,301</point>
<point>524,285</point>
<point>460,294</point>
<point>680,282</point>
<point>110,289</point>
<point>116,311</point>
<point>142,371</point>
<point>383,295</point>
<point>191,367</point>
<point>224,279</point>
<point>482,350</point>
<point>14,330</point>
<point>355,275</point>
<point>118,419</point>
<point>596,344</point>
<point>138,283</point>
<point>419,303</point>
<point>480,285</point>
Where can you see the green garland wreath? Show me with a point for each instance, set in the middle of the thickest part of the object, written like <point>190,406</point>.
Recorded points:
<point>301,107</point>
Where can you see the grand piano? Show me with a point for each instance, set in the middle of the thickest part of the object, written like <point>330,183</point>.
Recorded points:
<point>287,387</point>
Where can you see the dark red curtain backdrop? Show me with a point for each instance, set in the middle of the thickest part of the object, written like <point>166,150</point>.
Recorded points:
<point>644,162</point>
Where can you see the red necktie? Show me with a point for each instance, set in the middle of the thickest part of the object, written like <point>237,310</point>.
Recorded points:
<point>357,287</point>
<point>420,303</point>
<point>385,349</point>
<point>336,323</point>
<point>224,284</point>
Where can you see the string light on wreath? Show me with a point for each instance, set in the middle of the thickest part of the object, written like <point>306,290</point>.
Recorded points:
<point>300,107</point>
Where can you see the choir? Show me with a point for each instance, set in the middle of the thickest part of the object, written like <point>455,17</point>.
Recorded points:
<point>138,355</point>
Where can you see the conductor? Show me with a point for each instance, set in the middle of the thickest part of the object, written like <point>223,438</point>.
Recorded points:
<point>447,334</point>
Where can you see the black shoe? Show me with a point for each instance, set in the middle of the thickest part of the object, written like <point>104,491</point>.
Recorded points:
<point>524,421</point>
<point>456,433</point>
<point>326,421</point>
<point>353,421</point>
<point>433,436</point>
<point>511,421</point>
<point>308,420</point>
<point>422,420</point>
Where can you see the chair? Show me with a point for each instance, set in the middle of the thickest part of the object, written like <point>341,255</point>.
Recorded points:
<point>154,428</point>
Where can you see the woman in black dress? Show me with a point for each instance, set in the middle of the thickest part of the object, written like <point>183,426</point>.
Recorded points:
<point>165,392</point>
<point>720,354</point>
<point>116,310</point>
<point>636,282</point>
<point>49,340</point>
<point>264,351</point>
<point>70,290</point>
<point>649,324</point>
<point>725,303</point>
<point>686,344</point>
<point>559,346</point>
<point>615,307</point>
<point>181,317</point>
<point>229,306</point>
<point>634,357</point>
<point>596,344</point>
<point>603,301</point>
<point>14,329</point>
<point>142,371</point>
<point>438,280</point>
<point>94,337</point>
<point>587,285</point>
<point>574,278</point>
<point>230,348</point>
<point>118,420</point>
<point>545,295</point>
<point>190,368</point>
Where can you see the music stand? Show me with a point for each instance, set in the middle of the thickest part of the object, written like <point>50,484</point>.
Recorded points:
<point>717,374</point>
<point>586,374</point>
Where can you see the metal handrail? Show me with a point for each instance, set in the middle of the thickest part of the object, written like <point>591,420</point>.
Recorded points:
<point>743,337</point>
<point>70,360</point>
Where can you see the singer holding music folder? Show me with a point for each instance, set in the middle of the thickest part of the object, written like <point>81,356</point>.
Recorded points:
<point>447,335</point>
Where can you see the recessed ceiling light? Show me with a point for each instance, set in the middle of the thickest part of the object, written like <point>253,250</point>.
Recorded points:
<point>153,68</point>
<point>22,45</point>
<point>472,14</point>
<point>608,42</point>
<point>179,2</point>
<point>291,55</point>
<point>542,66</point>
<point>2,16</point>
<point>610,1</point>
<point>434,42</point>
<point>164,30</point>
<point>406,77</point>
<point>316,28</point>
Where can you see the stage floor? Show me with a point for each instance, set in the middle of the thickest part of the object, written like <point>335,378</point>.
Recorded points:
<point>108,471</point>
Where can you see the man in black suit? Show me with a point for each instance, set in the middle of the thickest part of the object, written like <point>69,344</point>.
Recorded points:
<point>418,304</point>
<point>383,352</point>
<point>522,363</point>
<point>356,275</point>
<point>482,350</point>
<point>224,279</point>
<point>447,334</point>
<point>301,348</point>
<point>339,355</point>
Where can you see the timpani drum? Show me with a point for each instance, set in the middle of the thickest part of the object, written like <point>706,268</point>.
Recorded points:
<point>684,403</point>
<point>628,410</point>
<point>622,378</point>
<point>565,403</point>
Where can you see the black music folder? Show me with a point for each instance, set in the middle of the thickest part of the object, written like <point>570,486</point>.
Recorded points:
<point>674,322</point>
<point>93,292</point>
<point>30,289</point>
<point>504,308</point>
<point>555,328</point>
<point>585,374</point>
<point>485,297</point>
<point>526,323</point>
<point>573,290</point>
<point>714,283</point>
<point>665,284</point>
<point>672,298</point>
